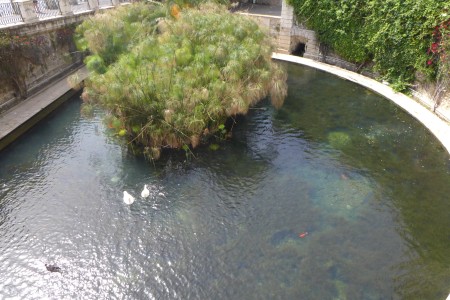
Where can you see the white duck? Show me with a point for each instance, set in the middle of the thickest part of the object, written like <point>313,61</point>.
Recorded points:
<point>127,198</point>
<point>145,192</point>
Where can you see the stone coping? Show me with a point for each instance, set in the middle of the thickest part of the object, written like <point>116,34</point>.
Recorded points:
<point>259,15</point>
<point>438,127</point>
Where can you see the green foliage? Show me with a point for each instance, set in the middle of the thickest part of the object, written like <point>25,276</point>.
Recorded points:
<point>95,63</point>
<point>87,110</point>
<point>395,34</point>
<point>214,147</point>
<point>444,54</point>
<point>194,3</point>
<point>110,34</point>
<point>439,52</point>
<point>180,83</point>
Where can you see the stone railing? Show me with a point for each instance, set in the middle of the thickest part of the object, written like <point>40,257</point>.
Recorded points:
<point>51,22</point>
<point>17,12</point>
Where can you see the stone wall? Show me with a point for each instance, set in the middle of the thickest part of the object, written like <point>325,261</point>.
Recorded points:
<point>55,56</point>
<point>425,92</point>
<point>286,24</point>
<point>266,2</point>
<point>270,23</point>
<point>314,50</point>
<point>292,35</point>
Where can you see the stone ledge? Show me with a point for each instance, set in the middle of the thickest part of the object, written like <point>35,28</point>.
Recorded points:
<point>41,85</point>
<point>27,113</point>
<point>437,126</point>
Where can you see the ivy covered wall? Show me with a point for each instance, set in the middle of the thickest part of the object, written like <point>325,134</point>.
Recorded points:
<point>396,35</point>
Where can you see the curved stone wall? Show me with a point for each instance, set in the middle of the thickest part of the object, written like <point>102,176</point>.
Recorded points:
<point>437,126</point>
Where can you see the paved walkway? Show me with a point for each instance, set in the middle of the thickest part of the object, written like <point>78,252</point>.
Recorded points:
<point>437,126</point>
<point>27,113</point>
<point>259,9</point>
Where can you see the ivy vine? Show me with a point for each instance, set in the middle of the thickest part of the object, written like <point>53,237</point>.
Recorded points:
<point>393,34</point>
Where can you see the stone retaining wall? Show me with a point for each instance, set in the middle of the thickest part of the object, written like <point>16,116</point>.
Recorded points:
<point>56,57</point>
<point>270,23</point>
<point>61,58</point>
<point>292,34</point>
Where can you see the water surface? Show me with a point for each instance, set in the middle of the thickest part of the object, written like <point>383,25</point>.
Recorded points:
<point>367,183</point>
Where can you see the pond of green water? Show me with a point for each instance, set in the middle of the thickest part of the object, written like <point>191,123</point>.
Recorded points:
<point>338,195</point>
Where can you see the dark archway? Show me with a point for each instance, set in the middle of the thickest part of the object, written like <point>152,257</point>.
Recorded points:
<point>299,49</point>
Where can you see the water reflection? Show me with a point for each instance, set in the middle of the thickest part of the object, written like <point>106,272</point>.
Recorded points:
<point>403,158</point>
<point>365,181</point>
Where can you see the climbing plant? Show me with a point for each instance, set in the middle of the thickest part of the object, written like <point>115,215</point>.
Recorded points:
<point>394,34</point>
<point>64,35</point>
<point>439,52</point>
<point>175,81</point>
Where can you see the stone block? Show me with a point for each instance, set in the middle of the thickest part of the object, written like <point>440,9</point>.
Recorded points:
<point>27,11</point>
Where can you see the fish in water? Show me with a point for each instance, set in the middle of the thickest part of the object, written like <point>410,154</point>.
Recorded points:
<point>53,268</point>
<point>303,234</point>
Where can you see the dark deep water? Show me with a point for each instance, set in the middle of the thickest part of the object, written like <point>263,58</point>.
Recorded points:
<point>368,183</point>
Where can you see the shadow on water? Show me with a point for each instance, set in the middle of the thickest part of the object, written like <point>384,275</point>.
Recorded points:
<point>338,195</point>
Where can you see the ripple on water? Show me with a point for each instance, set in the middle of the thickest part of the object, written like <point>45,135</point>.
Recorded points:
<point>226,225</point>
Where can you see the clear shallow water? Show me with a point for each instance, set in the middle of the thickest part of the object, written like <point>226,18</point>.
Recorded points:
<point>369,185</point>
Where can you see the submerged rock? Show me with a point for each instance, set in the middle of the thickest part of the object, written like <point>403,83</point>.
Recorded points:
<point>344,197</point>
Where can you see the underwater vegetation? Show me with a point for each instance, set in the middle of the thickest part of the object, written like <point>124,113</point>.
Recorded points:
<point>338,139</point>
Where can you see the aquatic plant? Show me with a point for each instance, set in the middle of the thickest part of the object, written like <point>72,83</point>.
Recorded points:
<point>175,81</point>
<point>108,35</point>
<point>338,139</point>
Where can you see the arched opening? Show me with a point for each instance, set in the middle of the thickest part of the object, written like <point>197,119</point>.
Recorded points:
<point>299,49</point>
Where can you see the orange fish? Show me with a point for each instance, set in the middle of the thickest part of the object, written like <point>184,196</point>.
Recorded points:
<point>303,234</point>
